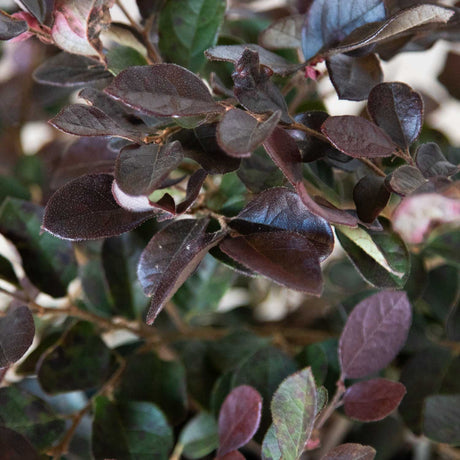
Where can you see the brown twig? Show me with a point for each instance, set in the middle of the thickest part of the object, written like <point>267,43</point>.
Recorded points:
<point>332,406</point>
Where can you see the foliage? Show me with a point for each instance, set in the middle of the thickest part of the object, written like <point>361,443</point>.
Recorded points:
<point>131,252</point>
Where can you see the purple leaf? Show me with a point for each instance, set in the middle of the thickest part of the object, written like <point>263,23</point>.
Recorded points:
<point>239,133</point>
<point>293,410</point>
<point>86,209</point>
<point>239,419</point>
<point>432,162</point>
<point>11,27</point>
<point>373,400</point>
<point>84,156</point>
<point>374,333</point>
<point>449,75</point>
<point>354,77</point>
<point>233,455</point>
<point>405,180</point>
<point>17,332</point>
<point>194,185</point>
<point>141,169</point>
<point>163,90</point>
<point>370,196</point>
<point>398,110</point>
<point>254,89</point>
<point>170,257</point>
<point>41,9</point>
<point>350,451</point>
<point>233,53</point>
<point>15,446</point>
<point>357,137</point>
<point>330,21</point>
<point>283,33</point>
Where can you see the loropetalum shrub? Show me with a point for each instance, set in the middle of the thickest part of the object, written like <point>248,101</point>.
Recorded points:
<point>206,157</point>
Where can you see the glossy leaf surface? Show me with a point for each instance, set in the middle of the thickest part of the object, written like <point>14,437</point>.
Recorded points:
<point>398,110</point>
<point>372,400</point>
<point>293,410</point>
<point>239,418</point>
<point>370,196</point>
<point>85,209</point>
<point>374,333</point>
<point>163,90</point>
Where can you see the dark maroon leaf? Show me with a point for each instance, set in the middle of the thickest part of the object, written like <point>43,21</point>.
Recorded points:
<point>354,77</point>
<point>233,53</point>
<point>449,75</point>
<point>14,446</point>
<point>357,137</point>
<point>141,169</point>
<point>170,257</point>
<point>239,418</point>
<point>432,162</point>
<point>17,332</point>
<point>370,196</point>
<point>233,455</point>
<point>11,27</point>
<point>164,90</point>
<point>254,89</point>
<point>398,110</point>
<point>373,400</point>
<point>405,180</point>
<point>193,189</point>
<point>283,33</point>
<point>86,209</point>
<point>86,155</point>
<point>374,333</point>
<point>85,120</point>
<point>239,133</point>
<point>350,451</point>
<point>441,418</point>
<point>41,9</point>
<point>328,22</point>
<point>65,69</point>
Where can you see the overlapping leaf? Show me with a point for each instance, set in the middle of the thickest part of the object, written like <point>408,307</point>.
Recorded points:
<point>431,161</point>
<point>374,333</point>
<point>163,90</point>
<point>170,257</point>
<point>11,27</point>
<point>85,209</point>
<point>41,9</point>
<point>442,418</point>
<point>405,180</point>
<point>283,33</point>
<point>370,196</point>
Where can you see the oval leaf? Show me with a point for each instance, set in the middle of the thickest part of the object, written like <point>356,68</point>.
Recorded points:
<point>432,162</point>
<point>370,196</point>
<point>293,410</point>
<point>11,27</point>
<point>283,33</point>
<point>17,332</point>
<point>85,209</point>
<point>373,400</point>
<point>374,333</point>
<point>405,180</point>
<point>357,137</point>
<point>164,90</point>
<point>200,436</point>
<point>239,418</point>
<point>442,418</point>
<point>350,451</point>
<point>398,110</point>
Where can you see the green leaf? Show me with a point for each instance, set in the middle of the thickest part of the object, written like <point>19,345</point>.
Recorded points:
<point>47,261</point>
<point>29,416</point>
<point>131,430</point>
<point>120,57</point>
<point>381,257</point>
<point>442,418</point>
<point>199,436</point>
<point>293,411</point>
<point>10,186</point>
<point>314,356</point>
<point>79,361</point>
<point>444,244</point>
<point>149,378</point>
<point>187,28</point>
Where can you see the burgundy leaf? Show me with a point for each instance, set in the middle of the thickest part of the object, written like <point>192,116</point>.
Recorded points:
<point>239,419</point>
<point>254,89</point>
<point>370,196</point>
<point>233,53</point>
<point>233,455</point>
<point>194,185</point>
<point>432,162</point>
<point>84,120</point>
<point>350,451</point>
<point>11,27</point>
<point>41,9</point>
<point>14,446</point>
<point>283,33</point>
<point>285,257</point>
<point>141,169</point>
<point>330,21</point>
<point>86,155</point>
<point>357,137</point>
<point>239,133</point>
<point>449,74</point>
<point>170,257</point>
<point>164,90</point>
<point>17,332</point>
<point>373,400</point>
<point>86,209</point>
<point>398,110</point>
<point>405,180</point>
<point>354,77</point>
<point>374,333</point>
